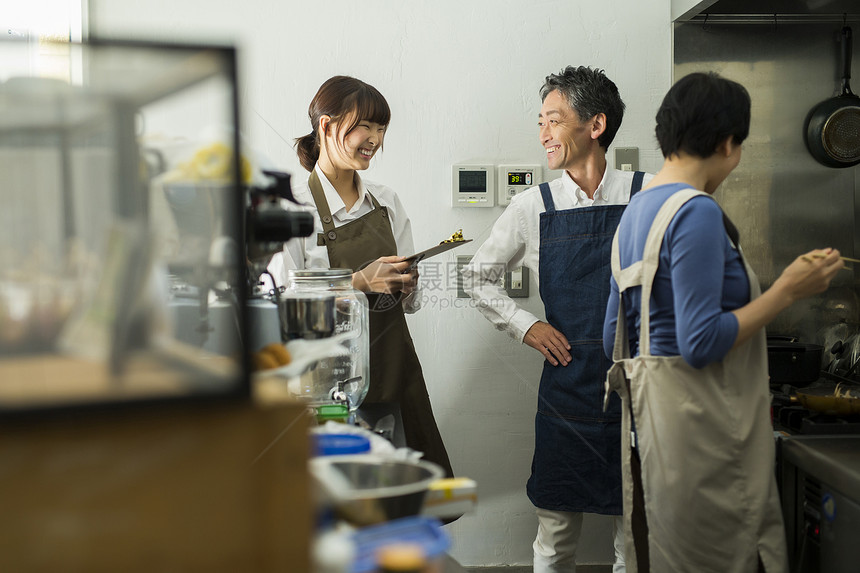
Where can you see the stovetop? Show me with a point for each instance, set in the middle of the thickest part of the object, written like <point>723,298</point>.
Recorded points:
<point>799,420</point>
<point>791,417</point>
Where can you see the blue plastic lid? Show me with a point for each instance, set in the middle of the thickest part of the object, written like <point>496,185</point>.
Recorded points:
<point>340,444</point>
<point>419,530</point>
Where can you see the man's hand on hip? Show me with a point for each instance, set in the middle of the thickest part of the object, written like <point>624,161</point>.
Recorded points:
<point>549,342</point>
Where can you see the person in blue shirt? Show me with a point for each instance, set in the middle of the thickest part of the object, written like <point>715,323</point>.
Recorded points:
<point>685,325</point>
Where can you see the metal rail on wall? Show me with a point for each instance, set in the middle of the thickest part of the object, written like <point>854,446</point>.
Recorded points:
<point>772,19</point>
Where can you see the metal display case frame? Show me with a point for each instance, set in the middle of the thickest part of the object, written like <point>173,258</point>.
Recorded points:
<point>134,204</point>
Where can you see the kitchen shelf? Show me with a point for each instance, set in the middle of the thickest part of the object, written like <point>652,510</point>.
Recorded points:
<point>764,11</point>
<point>119,76</point>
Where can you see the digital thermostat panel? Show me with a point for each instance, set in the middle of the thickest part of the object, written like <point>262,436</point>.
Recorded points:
<point>474,186</point>
<point>515,179</point>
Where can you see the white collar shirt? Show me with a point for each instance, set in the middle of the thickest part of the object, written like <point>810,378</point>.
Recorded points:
<point>514,241</point>
<point>305,253</point>
<point>338,209</point>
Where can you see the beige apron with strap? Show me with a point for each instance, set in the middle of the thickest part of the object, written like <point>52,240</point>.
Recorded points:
<point>395,372</point>
<point>704,439</point>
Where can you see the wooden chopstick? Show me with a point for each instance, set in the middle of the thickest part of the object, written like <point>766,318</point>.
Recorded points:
<point>817,256</point>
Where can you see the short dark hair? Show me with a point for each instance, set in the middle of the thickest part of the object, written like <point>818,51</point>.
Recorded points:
<point>589,92</point>
<point>699,112</point>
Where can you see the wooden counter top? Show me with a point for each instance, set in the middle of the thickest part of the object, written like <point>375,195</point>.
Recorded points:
<point>181,488</point>
<point>44,379</point>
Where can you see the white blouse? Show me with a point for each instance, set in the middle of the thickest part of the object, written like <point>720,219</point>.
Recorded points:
<point>305,253</point>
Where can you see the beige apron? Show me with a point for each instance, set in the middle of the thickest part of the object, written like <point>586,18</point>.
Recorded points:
<point>704,439</point>
<point>395,372</point>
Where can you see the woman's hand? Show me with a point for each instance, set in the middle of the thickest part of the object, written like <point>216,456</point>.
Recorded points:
<point>386,275</point>
<point>809,274</point>
<point>410,287</point>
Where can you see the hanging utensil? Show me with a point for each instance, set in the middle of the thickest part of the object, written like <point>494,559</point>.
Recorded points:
<point>833,126</point>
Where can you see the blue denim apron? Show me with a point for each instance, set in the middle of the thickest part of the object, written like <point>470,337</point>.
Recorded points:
<point>577,458</point>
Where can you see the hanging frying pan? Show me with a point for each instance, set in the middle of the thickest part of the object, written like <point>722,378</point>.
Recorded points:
<point>833,126</point>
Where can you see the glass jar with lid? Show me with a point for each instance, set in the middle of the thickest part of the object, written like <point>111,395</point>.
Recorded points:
<point>321,306</point>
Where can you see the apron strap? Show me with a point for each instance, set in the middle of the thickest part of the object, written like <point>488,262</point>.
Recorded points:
<point>629,276</point>
<point>732,231</point>
<point>636,186</point>
<point>626,277</point>
<point>322,208</point>
<point>321,203</point>
<point>621,349</point>
<point>548,203</point>
<point>651,259</point>
<point>642,272</point>
<point>329,233</point>
<point>373,200</point>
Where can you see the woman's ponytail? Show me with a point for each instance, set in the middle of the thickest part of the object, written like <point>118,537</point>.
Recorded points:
<point>308,150</point>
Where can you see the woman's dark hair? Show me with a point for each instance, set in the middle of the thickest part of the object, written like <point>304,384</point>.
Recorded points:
<point>589,92</point>
<point>700,111</point>
<point>341,97</point>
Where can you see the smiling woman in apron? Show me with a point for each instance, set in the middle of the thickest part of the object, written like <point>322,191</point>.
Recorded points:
<point>363,226</point>
<point>699,490</point>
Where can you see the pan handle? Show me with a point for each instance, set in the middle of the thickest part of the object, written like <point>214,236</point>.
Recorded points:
<point>781,338</point>
<point>839,378</point>
<point>846,60</point>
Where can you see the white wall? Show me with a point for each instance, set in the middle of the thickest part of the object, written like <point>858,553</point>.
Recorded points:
<point>462,79</point>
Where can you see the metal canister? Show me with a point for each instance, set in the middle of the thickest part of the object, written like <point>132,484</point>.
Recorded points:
<point>307,315</point>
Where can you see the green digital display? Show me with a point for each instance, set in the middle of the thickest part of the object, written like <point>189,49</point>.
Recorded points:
<point>519,178</point>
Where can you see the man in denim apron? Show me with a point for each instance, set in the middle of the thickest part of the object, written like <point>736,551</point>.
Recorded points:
<point>563,230</point>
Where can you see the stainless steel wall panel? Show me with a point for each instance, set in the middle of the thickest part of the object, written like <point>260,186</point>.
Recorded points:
<point>782,200</point>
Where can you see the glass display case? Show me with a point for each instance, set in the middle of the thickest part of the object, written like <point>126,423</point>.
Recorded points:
<point>122,270</point>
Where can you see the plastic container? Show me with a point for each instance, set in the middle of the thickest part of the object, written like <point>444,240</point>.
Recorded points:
<point>425,532</point>
<point>340,444</point>
<point>451,497</point>
<point>331,412</point>
<point>332,552</point>
<point>321,303</point>
<point>401,558</point>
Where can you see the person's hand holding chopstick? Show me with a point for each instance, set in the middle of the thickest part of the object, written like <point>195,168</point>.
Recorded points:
<point>818,255</point>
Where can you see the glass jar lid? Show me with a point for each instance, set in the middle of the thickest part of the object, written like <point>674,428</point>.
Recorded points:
<point>340,444</point>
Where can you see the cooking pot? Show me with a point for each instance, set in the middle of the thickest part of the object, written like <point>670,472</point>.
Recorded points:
<point>833,126</point>
<point>264,323</point>
<point>792,362</point>
<point>307,316</point>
